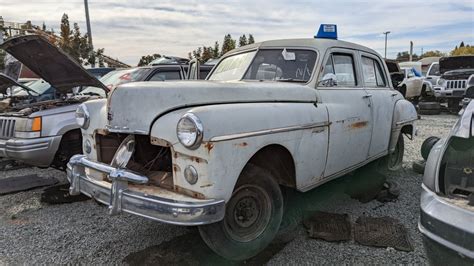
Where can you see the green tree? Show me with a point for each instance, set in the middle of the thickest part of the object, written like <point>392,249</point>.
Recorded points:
<point>463,50</point>
<point>206,54</point>
<point>434,53</point>
<point>147,59</point>
<point>65,42</point>
<point>243,40</point>
<point>99,54</point>
<point>461,45</point>
<point>76,43</point>
<point>251,40</point>
<point>228,44</point>
<point>215,50</point>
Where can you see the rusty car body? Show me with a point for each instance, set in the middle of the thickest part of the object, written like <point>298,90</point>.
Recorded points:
<point>447,197</point>
<point>295,113</point>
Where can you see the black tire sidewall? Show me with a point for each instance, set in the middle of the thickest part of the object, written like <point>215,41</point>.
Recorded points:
<point>216,236</point>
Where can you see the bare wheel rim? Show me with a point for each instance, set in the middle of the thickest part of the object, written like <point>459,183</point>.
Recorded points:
<point>248,213</point>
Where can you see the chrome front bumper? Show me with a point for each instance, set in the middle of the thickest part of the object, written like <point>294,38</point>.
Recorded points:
<point>446,225</point>
<point>165,206</point>
<point>37,151</point>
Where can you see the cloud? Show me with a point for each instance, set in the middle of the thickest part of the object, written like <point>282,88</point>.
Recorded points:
<point>130,29</point>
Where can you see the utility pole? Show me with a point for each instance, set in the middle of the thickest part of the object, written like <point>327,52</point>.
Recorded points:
<point>89,32</point>
<point>386,33</point>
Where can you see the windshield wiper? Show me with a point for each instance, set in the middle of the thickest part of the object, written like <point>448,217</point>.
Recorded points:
<point>291,80</point>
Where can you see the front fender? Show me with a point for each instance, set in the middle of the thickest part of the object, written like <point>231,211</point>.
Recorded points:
<point>404,114</point>
<point>233,133</point>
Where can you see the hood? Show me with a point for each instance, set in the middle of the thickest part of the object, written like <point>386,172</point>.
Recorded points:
<point>456,63</point>
<point>134,106</point>
<point>6,82</point>
<point>392,66</point>
<point>50,63</point>
<point>458,74</point>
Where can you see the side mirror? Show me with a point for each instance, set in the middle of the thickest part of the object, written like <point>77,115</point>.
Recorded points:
<point>329,80</point>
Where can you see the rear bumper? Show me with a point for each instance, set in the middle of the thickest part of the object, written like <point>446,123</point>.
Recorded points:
<point>164,206</point>
<point>37,151</point>
<point>446,228</point>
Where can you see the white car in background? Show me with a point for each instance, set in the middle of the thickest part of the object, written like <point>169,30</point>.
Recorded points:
<point>433,74</point>
<point>412,86</point>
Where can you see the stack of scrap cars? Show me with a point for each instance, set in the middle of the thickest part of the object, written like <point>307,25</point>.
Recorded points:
<point>216,154</point>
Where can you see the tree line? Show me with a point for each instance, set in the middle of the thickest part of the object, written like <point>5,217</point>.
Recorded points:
<point>205,53</point>
<point>463,49</point>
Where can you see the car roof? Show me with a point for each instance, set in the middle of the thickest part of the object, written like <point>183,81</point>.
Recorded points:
<point>318,43</point>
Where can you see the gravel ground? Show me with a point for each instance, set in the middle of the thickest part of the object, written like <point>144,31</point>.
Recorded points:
<point>32,232</point>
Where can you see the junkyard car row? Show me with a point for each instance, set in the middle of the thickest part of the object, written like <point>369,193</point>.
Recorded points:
<point>220,153</point>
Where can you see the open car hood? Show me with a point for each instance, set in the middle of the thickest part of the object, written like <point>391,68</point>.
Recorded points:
<point>50,63</point>
<point>456,63</point>
<point>6,82</point>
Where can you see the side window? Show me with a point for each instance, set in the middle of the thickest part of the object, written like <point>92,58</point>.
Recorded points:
<point>166,75</point>
<point>344,69</point>
<point>372,71</point>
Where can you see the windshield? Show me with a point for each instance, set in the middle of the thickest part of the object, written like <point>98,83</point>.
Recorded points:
<point>40,86</point>
<point>115,78</point>
<point>267,64</point>
<point>434,70</point>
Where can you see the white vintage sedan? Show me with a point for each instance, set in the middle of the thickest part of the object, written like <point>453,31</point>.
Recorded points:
<point>285,113</point>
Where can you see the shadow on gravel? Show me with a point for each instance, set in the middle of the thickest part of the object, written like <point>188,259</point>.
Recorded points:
<point>60,194</point>
<point>189,249</point>
<point>365,184</point>
<point>23,183</point>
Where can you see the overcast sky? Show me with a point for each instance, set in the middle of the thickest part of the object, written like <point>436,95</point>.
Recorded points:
<point>129,29</point>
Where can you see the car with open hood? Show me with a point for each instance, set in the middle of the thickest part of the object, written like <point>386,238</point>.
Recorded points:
<point>45,133</point>
<point>294,113</point>
<point>451,86</point>
<point>447,197</point>
<point>405,80</point>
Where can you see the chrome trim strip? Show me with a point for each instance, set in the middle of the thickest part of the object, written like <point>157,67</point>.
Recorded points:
<point>405,121</point>
<point>268,131</point>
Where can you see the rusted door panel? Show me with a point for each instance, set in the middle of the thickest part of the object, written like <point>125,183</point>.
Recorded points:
<point>351,127</point>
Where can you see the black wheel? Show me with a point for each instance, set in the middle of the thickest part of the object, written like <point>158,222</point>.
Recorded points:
<point>252,219</point>
<point>453,106</point>
<point>427,146</point>
<point>419,166</point>
<point>394,160</point>
<point>429,106</point>
<point>429,112</point>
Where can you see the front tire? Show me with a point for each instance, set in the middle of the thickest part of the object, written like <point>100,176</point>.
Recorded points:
<point>252,219</point>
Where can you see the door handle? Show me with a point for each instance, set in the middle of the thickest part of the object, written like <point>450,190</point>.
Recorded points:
<point>367,96</point>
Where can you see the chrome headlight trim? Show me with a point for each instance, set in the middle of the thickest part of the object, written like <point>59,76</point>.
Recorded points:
<point>193,138</point>
<point>82,116</point>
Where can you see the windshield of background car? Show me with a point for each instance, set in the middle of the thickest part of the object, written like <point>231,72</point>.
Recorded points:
<point>39,86</point>
<point>267,64</point>
<point>117,77</point>
<point>434,70</point>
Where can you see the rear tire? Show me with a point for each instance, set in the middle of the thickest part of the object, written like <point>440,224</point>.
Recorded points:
<point>394,160</point>
<point>252,219</point>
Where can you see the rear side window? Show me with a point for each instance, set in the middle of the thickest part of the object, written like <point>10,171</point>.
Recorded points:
<point>166,75</point>
<point>341,65</point>
<point>372,71</point>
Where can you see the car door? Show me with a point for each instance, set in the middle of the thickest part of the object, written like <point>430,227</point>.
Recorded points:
<point>382,101</point>
<point>349,111</point>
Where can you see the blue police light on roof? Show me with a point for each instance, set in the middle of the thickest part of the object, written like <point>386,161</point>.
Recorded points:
<point>327,31</point>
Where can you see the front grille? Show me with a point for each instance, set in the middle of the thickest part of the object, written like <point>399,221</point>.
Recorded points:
<point>7,128</point>
<point>456,84</point>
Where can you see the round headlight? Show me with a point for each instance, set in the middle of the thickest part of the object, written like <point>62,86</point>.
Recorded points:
<point>82,116</point>
<point>441,82</point>
<point>190,131</point>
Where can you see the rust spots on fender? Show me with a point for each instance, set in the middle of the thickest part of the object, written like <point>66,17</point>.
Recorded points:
<point>358,125</point>
<point>242,144</point>
<point>209,146</point>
